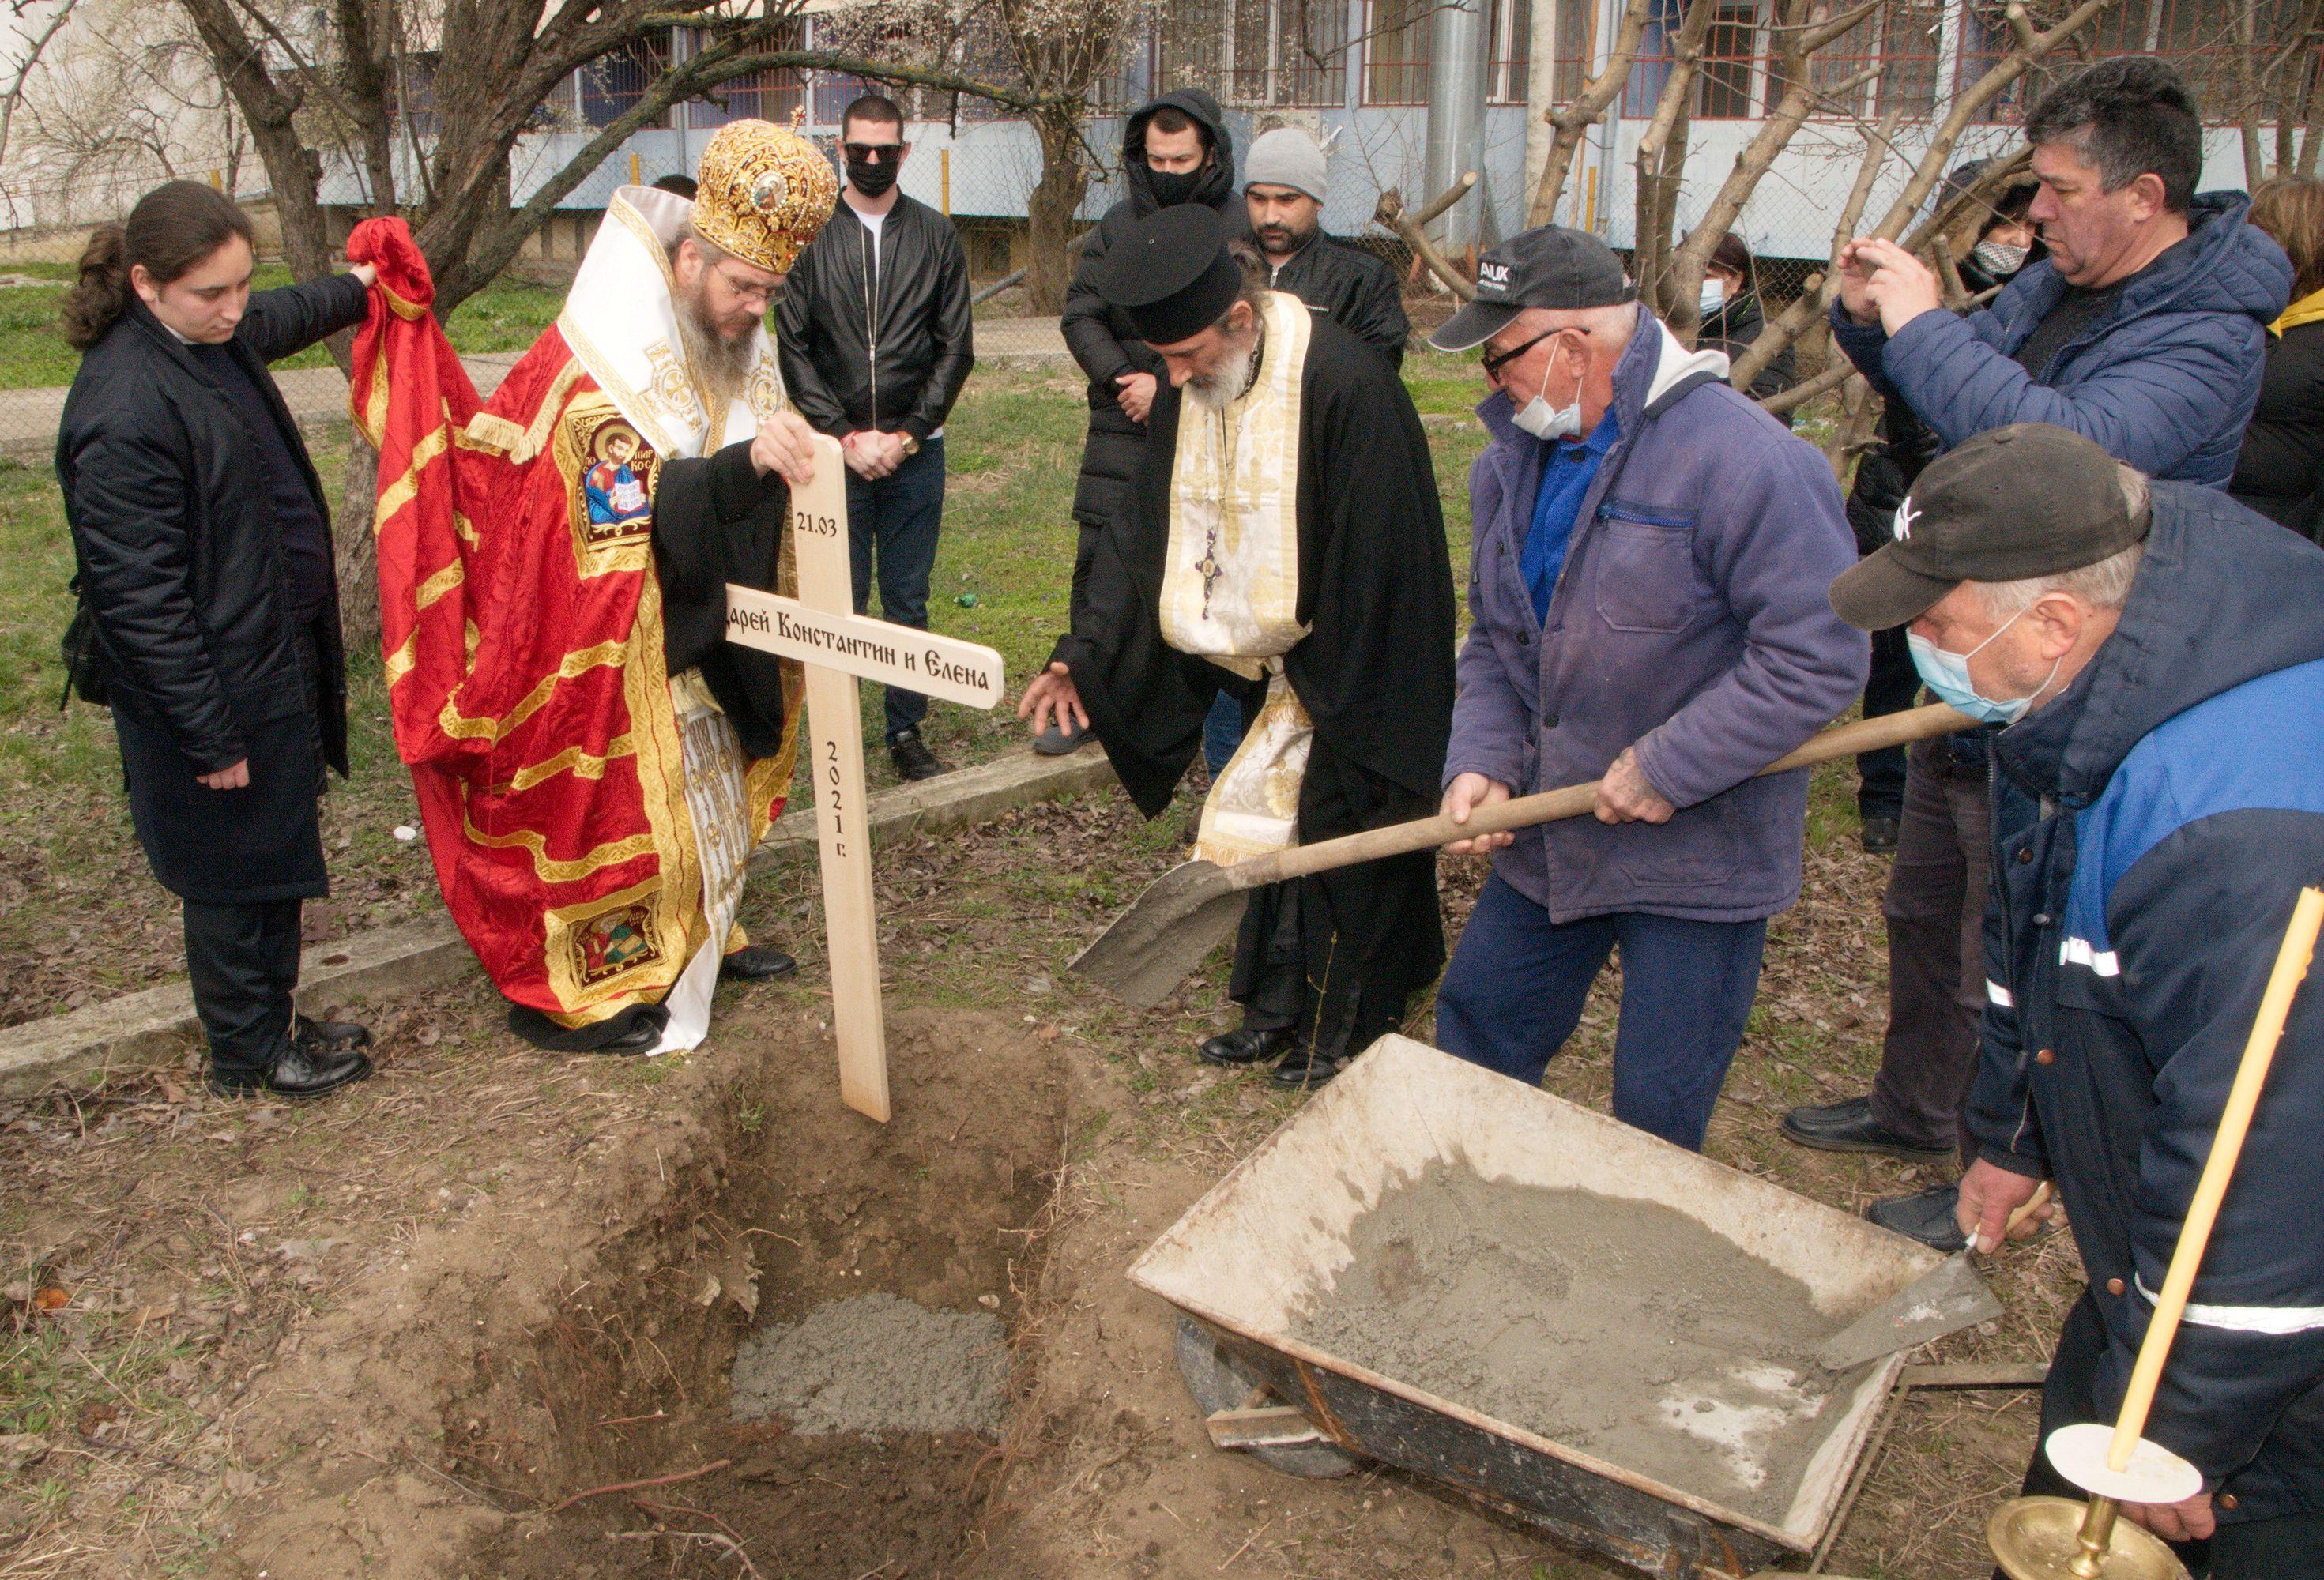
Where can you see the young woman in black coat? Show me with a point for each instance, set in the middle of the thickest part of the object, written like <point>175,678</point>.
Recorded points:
<point>205,553</point>
<point>2281,472</point>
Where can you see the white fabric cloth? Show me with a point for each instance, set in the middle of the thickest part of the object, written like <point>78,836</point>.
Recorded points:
<point>621,319</point>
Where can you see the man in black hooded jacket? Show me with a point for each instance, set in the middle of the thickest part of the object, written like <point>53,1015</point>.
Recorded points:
<point>1175,150</point>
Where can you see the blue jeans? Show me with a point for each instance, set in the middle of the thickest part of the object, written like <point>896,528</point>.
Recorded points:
<point>893,521</point>
<point>1222,731</point>
<point>1514,990</point>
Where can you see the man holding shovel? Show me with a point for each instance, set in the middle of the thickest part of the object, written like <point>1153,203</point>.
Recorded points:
<point>1645,589</point>
<point>1281,538</point>
<point>2154,650</point>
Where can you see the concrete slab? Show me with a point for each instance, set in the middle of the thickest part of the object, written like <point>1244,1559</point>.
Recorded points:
<point>156,1026</point>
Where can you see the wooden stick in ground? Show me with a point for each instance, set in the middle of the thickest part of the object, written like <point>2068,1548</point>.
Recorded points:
<point>2292,962</point>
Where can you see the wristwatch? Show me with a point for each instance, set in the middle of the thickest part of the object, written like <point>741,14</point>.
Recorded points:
<point>911,446</point>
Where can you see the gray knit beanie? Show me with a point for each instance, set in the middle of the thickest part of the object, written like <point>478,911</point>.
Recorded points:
<point>1286,157</point>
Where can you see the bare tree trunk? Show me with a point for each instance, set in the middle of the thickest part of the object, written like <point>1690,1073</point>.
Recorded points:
<point>1574,120</point>
<point>1859,410</point>
<point>2312,115</point>
<point>1816,293</point>
<point>1661,156</point>
<point>1049,210</point>
<point>355,548</point>
<point>1390,213</point>
<point>1685,269</point>
<point>2247,88</point>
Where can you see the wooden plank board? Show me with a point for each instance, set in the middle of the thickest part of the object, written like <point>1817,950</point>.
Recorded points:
<point>836,729</point>
<point>943,667</point>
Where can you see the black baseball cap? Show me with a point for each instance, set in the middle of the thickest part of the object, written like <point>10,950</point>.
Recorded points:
<point>1549,266</point>
<point>2013,503</point>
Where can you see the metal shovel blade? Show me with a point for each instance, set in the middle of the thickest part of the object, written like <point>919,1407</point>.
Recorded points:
<point>1158,942</point>
<point>1945,1300</point>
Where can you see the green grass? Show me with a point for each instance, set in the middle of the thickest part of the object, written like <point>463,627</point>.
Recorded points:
<point>506,316</point>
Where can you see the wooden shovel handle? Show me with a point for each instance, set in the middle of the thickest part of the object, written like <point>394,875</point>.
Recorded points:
<point>1527,811</point>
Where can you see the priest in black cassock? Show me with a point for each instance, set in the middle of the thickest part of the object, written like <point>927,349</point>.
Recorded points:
<point>1282,541</point>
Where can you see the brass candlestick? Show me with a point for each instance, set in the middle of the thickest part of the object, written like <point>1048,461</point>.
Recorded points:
<point>2059,1539</point>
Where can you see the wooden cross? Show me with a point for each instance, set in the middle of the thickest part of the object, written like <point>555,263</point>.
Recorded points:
<point>821,630</point>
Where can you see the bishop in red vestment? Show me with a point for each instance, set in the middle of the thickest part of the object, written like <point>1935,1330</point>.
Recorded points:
<point>594,761</point>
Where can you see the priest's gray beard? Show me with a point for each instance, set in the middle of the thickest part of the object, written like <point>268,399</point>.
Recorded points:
<point>1227,380</point>
<point>721,364</point>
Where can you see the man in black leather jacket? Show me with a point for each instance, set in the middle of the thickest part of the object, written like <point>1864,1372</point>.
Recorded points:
<point>875,339</point>
<point>1175,150</point>
<point>1283,183</point>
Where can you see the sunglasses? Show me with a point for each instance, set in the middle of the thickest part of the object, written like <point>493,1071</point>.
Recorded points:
<point>873,153</point>
<point>1494,361</point>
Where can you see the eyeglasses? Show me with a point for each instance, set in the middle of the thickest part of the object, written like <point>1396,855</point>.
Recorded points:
<point>759,294</point>
<point>1495,360</point>
<point>873,153</point>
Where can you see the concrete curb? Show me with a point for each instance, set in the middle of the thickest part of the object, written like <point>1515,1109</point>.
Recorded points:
<point>155,1026</point>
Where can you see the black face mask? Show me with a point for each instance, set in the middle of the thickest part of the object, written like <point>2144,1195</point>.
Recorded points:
<point>870,177</point>
<point>1172,187</point>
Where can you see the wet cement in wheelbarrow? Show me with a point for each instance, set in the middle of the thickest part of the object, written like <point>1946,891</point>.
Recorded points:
<point>1622,1328</point>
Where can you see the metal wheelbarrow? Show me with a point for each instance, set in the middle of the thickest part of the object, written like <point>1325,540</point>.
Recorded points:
<point>1257,1251</point>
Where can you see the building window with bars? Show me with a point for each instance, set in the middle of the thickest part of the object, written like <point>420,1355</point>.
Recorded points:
<point>614,84</point>
<point>1263,53</point>
<point>769,95</point>
<point>1510,23</point>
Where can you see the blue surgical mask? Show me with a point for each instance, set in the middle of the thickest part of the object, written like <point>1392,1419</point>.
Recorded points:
<point>1947,675</point>
<point>1713,295</point>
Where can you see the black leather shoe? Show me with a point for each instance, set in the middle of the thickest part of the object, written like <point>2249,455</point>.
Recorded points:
<point>1850,1126</point>
<point>303,1069</point>
<point>756,962</point>
<point>1926,1216</point>
<point>339,1037</point>
<point>1060,739</point>
<point>640,1038</point>
<point>1246,1046</point>
<point>1879,835</point>
<point>912,758</point>
<point>1306,1071</point>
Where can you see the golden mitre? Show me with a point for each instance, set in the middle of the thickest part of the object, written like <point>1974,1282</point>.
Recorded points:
<point>764,192</point>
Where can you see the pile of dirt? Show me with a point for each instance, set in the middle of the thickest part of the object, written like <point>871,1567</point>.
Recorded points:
<point>843,1436</point>
<point>1621,1327</point>
<point>875,1365</point>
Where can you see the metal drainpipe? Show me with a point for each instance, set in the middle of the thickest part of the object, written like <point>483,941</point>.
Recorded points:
<point>1458,53</point>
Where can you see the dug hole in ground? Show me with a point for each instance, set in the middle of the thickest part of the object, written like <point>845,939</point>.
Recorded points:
<point>563,1345</point>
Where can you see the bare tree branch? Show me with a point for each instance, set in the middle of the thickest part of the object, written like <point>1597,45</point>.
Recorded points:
<point>1589,107</point>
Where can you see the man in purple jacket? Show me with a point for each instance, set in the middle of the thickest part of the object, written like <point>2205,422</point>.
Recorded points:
<point>1646,592</point>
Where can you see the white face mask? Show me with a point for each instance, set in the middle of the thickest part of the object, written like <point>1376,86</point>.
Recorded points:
<point>1714,297</point>
<point>1537,418</point>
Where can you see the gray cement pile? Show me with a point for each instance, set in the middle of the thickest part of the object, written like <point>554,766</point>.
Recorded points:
<point>876,1364</point>
<point>1622,1328</point>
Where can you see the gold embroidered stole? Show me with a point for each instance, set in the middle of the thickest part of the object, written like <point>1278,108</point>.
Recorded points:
<point>1231,580</point>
